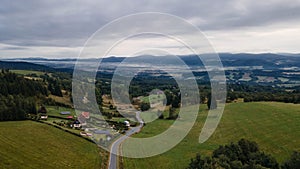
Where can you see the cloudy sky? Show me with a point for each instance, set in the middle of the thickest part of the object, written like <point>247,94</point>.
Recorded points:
<point>60,28</point>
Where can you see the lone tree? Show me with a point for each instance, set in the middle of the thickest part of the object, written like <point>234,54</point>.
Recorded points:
<point>109,116</point>
<point>160,115</point>
<point>293,162</point>
<point>211,102</point>
<point>145,106</point>
<point>172,114</point>
<point>176,101</point>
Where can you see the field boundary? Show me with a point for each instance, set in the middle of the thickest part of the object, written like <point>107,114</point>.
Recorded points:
<point>65,130</point>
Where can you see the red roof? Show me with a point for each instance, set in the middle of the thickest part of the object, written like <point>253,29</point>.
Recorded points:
<point>86,114</point>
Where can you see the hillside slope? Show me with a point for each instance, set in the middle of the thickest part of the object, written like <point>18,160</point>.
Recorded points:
<point>274,126</point>
<point>28,144</point>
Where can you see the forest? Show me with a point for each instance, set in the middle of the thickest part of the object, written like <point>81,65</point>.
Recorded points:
<point>20,96</point>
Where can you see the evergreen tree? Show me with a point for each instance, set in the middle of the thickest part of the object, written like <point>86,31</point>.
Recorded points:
<point>242,155</point>
<point>211,103</point>
<point>172,113</point>
<point>145,106</point>
<point>293,162</point>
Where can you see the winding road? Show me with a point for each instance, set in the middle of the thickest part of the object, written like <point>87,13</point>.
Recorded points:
<point>113,158</point>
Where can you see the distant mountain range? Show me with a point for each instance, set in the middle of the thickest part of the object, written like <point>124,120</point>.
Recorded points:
<point>24,66</point>
<point>266,60</point>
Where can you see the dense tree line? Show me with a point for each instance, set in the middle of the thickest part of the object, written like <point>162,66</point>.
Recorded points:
<point>242,155</point>
<point>57,81</point>
<point>11,84</point>
<point>262,93</point>
<point>16,107</point>
<point>18,96</point>
<point>54,88</point>
<point>278,97</point>
<point>142,85</point>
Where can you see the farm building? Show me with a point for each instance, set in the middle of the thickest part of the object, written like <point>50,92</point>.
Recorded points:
<point>127,123</point>
<point>43,113</point>
<point>76,124</point>
<point>83,117</point>
<point>86,115</point>
<point>83,133</point>
<point>105,132</point>
<point>102,132</point>
<point>42,110</point>
<point>44,116</point>
<point>65,113</point>
<point>82,120</point>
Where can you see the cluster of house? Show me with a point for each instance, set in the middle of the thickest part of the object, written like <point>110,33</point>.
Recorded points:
<point>81,120</point>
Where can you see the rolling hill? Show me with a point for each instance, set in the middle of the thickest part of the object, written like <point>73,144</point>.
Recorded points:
<point>274,126</point>
<point>24,66</point>
<point>28,144</point>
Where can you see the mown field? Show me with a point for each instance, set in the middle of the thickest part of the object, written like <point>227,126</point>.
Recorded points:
<point>27,72</point>
<point>274,126</point>
<point>28,144</point>
<point>56,110</point>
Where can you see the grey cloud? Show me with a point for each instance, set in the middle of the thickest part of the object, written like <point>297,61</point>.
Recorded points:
<point>13,48</point>
<point>70,23</point>
<point>262,14</point>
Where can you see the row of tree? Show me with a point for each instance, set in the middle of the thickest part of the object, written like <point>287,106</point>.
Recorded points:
<point>283,97</point>
<point>16,107</point>
<point>54,88</point>
<point>262,93</point>
<point>242,155</point>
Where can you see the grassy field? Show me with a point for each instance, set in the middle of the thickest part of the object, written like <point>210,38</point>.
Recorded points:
<point>55,111</point>
<point>274,126</point>
<point>27,72</point>
<point>28,144</point>
<point>65,99</point>
<point>153,97</point>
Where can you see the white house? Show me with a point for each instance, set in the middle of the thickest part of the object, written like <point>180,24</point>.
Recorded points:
<point>44,117</point>
<point>76,124</point>
<point>127,124</point>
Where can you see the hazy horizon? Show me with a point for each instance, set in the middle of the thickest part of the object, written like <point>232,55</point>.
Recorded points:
<point>59,29</point>
<point>123,56</point>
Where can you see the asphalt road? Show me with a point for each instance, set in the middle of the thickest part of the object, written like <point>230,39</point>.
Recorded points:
<point>113,158</point>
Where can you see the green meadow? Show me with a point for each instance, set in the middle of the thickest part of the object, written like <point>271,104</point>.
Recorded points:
<point>274,126</point>
<point>28,144</point>
<point>56,110</point>
<point>27,72</point>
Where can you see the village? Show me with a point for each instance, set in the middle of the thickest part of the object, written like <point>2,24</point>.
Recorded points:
<point>83,124</point>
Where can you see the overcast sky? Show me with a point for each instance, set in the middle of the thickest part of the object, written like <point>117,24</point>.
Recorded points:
<point>59,28</point>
